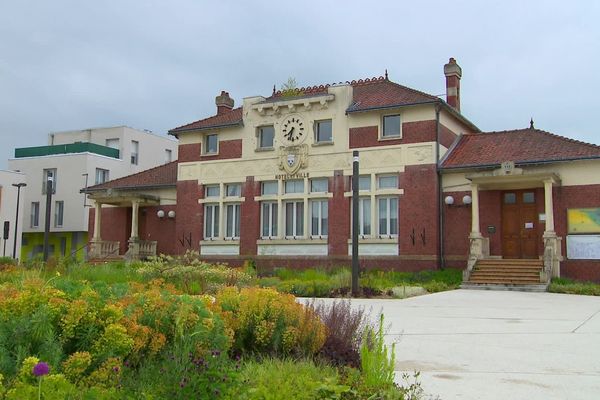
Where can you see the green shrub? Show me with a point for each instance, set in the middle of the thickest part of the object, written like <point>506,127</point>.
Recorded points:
<point>377,363</point>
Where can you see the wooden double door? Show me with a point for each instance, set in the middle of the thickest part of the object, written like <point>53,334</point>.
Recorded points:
<point>520,231</point>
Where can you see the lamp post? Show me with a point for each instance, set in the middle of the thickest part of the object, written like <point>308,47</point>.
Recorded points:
<point>18,186</point>
<point>355,225</point>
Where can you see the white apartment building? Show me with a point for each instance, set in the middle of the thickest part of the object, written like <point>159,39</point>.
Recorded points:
<point>12,186</point>
<point>75,160</point>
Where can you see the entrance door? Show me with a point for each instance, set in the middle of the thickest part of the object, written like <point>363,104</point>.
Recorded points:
<point>519,224</point>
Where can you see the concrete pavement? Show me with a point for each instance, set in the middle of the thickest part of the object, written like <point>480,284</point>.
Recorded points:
<point>475,344</point>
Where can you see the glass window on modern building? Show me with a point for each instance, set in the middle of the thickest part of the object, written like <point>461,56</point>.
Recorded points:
<point>135,152</point>
<point>34,221</point>
<point>59,208</point>
<point>102,176</point>
<point>49,173</point>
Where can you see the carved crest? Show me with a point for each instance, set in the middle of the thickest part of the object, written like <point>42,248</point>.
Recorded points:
<point>293,158</point>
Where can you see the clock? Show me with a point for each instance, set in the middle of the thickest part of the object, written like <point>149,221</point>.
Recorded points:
<point>293,129</point>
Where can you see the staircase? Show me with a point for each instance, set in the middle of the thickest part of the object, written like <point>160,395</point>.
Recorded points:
<point>507,274</point>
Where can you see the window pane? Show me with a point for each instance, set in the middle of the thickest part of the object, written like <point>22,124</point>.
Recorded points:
<point>323,131</point>
<point>208,222</point>
<point>388,182</point>
<point>269,187</point>
<point>393,203</point>
<point>314,218</point>
<point>273,219</point>
<point>234,189</point>
<point>295,186</point>
<point>135,147</point>
<point>265,136</point>
<point>265,219</point>
<point>364,212</point>
<point>529,197</point>
<point>49,173</point>
<point>211,144</point>
<point>212,191</point>
<point>289,219</point>
<point>510,198</point>
<point>383,217</point>
<point>324,218</point>
<point>58,213</point>
<point>299,218</point>
<point>319,185</point>
<point>230,220</point>
<point>391,125</point>
<point>364,182</point>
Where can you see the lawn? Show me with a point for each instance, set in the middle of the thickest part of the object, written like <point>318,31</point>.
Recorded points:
<point>179,328</point>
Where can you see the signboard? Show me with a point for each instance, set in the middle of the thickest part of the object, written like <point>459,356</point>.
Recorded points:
<point>583,220</point>
<point>583,247</point>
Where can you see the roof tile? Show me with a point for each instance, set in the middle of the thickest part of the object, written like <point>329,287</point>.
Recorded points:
<point>163,175</point>
<point>232,117</point>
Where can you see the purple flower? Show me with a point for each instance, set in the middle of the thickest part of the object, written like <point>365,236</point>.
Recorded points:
<point>115,369</point>
<point>40,369</point>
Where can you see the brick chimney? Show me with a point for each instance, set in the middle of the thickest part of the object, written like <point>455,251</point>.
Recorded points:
<point>224,103</point>
<point>453,73</point>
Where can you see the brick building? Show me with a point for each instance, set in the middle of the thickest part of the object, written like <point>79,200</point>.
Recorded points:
<point>271,181</point>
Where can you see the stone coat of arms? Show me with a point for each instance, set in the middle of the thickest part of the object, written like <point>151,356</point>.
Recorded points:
<point>293,158</point>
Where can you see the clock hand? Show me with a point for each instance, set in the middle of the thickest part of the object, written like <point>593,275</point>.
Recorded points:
<point>290,133</point>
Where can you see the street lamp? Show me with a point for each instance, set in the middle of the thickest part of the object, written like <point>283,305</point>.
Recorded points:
<point>18,186</point>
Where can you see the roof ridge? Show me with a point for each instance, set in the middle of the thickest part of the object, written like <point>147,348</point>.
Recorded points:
<point>132,175</point>
<point>207,118</point>
<point>322,87</point>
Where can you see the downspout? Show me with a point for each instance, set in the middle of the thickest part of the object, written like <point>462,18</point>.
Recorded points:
<point>440,249</point>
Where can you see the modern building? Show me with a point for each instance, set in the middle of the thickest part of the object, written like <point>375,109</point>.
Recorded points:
<point>12,188</point>
<point>271,181</point>
<point>76,159</point>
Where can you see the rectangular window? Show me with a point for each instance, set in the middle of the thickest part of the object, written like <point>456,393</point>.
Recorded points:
<point>320,185</point>
<point>168,156</point>
<point>294,219</point>
<point>233,189</point>
<point>35,214</point>
<point>211,221</point>
<point>269,187</point>
<point>211,144</point>
<point>323,131</point>
<point>387,182</point>
<point>364,216</point>
<point>113,143</point>
<point>388,216</point>
<point>232,216</point>
<point>391,126</point>
<point>295,186</point>
<point>212,191</point>
<point>101,175</point>
<point>364,182</point>
<point>269,219</point>
<point>49,173</point>
<point>265,137</point>
<point>135,150</point>
<point>59,208</point>
<point>318,218</point>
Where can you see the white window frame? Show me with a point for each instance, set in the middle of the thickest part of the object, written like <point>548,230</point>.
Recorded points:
<point>59,213</point>
<point>205,147</point>
<point>211,211</point>
<point>207,188</point>
<point>235,187</point>
<point>317,181</point>
<point>54,175</point>
<point>34,220</point>
<point>135,152</point>
<point>168,156</point>
<point>386,176</point>
<point>232,220</point>
<point>271,208</point>
<point>317,129</point>
<point>104,173</point>
<point>319,229</point>
<point>395,135</point>
<point>297,224</point>
<point>362,216</point>
<point>259,135</point>
<point>294,182</point>
<point>388,216</point>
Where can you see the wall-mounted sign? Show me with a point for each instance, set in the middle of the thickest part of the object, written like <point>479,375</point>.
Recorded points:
<point>583,247</point>
<point>542,217</point>
<point>528,225</point>
<point>583,220</point>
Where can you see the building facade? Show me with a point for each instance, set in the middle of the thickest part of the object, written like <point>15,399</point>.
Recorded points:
<point>12,187</point>
<point>76,159</point>
<point>271,181</point>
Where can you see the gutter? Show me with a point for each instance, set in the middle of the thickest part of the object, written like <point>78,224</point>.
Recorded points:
<point>518,163</point>
<point>139,187</point>
<point>440,249</point>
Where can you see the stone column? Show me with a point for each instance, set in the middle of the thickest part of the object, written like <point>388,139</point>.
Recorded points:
<point>475,210</point>
<point>97,221</point>
<point>552,243</point>
<point>479,246</point>
<point>549,206</point>
<point>135,206</point>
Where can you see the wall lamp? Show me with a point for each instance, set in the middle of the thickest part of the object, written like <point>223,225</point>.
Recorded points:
<point>161,214</point>
<point>466,201</point>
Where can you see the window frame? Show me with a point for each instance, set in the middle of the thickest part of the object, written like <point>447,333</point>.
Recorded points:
<point>207,188</point>
<point>388,217</point>
<point>45,179</point>
<point>232,231</point>
<point>205,144</point>
<point>135,152</point>
<point>317,131</point>
<point>295,182</point>
<point>274,184</point>
<point>105,174</point>
<point>211,210</point>
<point>362,214</point>
<point>272,209</point>
<point>259,136</point>
<point>237,193</point>
<point>34,218</point>
<point>384,176</point>
<point>383,127</point>
<point>59,213</point>
<point>322,225</point>
<point>297,225</point>
<point>315,180</point>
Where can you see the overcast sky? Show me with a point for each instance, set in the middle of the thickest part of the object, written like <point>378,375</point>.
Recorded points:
<point>159,64</point>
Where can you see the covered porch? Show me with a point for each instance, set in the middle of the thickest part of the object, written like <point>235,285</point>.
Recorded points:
<point>136,248</point>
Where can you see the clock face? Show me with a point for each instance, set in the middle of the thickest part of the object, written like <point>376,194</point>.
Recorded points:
<point>293,129</point>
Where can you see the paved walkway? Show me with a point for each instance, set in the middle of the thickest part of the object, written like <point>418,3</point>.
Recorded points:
<point>472,344</point>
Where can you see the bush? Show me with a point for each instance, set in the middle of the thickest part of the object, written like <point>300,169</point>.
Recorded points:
<point>377,364</point>
<point>267,322</point>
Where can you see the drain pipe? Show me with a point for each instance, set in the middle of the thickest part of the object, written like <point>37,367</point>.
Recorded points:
<point>440,203</point>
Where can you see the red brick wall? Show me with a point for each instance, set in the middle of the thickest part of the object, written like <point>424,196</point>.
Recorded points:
<point>412,132</point>
<point>189,217</point>
<point>189,152</point>
<point>418,214</point>
<point>227,149</point>
<point>250,218</point>
<point>447,137</point>
<point>339,214</point>
<point>115,225</point>
<point>160,229</point>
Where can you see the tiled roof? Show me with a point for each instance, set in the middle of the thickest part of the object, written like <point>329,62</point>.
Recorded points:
<point>230,118</point>
<point>164,175</point>
<point>382,93</point>
<point>521,146</point>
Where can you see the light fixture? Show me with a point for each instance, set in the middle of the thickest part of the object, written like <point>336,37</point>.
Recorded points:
<point>171,214</point>
<point>467,200</point>
<point>160,214</point>
<point>449,200</point>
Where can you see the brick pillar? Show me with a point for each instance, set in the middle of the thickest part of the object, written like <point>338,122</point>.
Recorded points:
<point>250,218</point>
<point>189,217</point>
<point>339,215</point>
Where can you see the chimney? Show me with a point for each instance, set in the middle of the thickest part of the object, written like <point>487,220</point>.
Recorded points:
<point>224,103</point>
<point>453,73</point>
